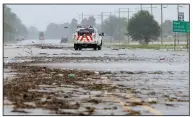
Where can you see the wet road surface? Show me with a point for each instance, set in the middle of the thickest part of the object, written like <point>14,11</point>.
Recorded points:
<point>134,81</point>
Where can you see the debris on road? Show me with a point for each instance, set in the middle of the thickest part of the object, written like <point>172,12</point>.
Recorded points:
<point>72,75</point>
<point>152,100</point>
<point>49,82</point>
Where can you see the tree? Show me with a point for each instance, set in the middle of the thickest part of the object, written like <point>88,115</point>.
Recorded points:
<point>51,31</point>
<point>12,25</point>
<point>111,27</point>
<point>143,27</point>
<point>167,28</point>
<point>91,21</point>
<point>57,31</point>
<point>73,25</point>
<point>33,32</point>
<point>7,28</point>
<point>98,27</point>
<point>84,22</point>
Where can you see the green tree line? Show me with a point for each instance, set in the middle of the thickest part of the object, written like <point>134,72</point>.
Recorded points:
<point>140,27</point>
<point>12,25</point>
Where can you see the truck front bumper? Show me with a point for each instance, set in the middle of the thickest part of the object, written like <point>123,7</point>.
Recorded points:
<point>86,45</point>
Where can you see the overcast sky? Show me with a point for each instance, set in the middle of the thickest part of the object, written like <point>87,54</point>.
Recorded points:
<point>41,15</point>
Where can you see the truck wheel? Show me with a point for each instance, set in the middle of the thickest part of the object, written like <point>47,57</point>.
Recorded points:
<point>80,48</point>
<point>95,47</point>
<point>99,47</point>
<point>75,46</point>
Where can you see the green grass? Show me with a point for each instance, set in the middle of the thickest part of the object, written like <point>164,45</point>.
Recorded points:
<point>153,46</point>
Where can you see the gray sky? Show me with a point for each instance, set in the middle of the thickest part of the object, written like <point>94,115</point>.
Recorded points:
<point>41,15</point>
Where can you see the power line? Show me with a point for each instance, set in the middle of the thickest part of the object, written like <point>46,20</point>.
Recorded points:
<point>148,7</point>
<point>128,11</point>
<point>100,16</point>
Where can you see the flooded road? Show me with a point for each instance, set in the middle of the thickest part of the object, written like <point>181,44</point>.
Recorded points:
<point>108,82</point>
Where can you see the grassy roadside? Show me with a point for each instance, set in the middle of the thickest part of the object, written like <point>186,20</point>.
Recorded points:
<point>152,46</point>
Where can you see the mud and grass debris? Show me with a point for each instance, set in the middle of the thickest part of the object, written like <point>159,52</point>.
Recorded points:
<point>152,93</point>
<point>18,89</point>
<point>115,49</point>
<point>132,112</point>
<point>169,104</point>
<point>152,100</point>
<point>95,101</point>
<point>23,105</point>
<point>72,75</point>
<point>90,110</point>
<point>107,108</point>
<point>157,72</point>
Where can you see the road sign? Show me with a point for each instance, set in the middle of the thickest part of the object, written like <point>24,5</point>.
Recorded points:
<point>181,26</point>
<point>181,16</point>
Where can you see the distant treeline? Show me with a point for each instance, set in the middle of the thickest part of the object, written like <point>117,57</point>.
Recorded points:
<point>112,26</point>
<point>12,25</point>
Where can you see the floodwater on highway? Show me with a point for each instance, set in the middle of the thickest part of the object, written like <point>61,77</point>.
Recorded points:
<point>149,73</point>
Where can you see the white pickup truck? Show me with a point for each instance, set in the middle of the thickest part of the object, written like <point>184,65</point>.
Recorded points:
<point>87,37</point>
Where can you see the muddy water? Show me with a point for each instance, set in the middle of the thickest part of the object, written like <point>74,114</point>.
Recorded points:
<point>159,74</point>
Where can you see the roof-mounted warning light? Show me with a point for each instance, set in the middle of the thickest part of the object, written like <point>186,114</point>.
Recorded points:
<point>79,26</point>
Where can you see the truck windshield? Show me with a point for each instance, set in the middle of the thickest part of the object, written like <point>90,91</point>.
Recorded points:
<point>85,31</point>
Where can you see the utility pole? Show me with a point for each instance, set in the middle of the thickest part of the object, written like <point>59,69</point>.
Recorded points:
<point>101,21</point>
<point>178,20</point>
<point>188,34</point>
<point>82,15</point>
<point>161,24</point>
<point>128,22</point>
<point>128,11</point>
<point>141,7</point>
<point>151,10</point>
<point>175,32</point>
<point>152,14</point>
<point>119,25</point>
<point>111,33</point>
<point>102,18</point>
<point>178,9</point>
